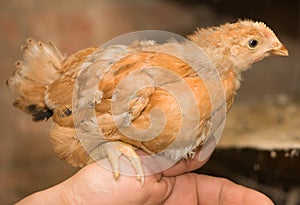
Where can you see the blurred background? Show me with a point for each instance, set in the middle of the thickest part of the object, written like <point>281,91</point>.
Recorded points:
<point>261,142</point>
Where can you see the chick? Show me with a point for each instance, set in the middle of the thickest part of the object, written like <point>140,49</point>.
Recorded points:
<point>46,81</point>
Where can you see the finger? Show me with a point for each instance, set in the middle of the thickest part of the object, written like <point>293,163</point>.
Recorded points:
<point>207,190</point>
<point>226,192</point>
<point>94,183</point>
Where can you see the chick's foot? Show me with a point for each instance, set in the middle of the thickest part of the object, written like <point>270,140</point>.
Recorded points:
<point>113,150</point>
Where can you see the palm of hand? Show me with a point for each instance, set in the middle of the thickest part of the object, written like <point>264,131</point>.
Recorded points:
<point>94,184</point>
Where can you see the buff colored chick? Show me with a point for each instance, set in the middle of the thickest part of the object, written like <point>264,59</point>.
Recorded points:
<point>45,81</point>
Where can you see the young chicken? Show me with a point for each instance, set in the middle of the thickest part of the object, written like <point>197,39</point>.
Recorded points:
<point>46,82</point>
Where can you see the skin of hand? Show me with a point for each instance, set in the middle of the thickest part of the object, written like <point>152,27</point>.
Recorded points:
<point>96,185</point>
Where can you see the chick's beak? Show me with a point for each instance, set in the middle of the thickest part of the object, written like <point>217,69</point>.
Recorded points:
<point>280,51</point>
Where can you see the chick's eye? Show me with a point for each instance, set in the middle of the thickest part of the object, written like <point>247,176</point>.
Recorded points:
<point>253,43</point>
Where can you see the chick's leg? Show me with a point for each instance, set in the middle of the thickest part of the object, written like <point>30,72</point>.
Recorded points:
<point>113,150</point>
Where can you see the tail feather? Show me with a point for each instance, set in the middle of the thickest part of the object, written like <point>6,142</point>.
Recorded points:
<point>38,69</point>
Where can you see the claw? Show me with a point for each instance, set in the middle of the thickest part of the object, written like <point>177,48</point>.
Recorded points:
<point>113,150</point>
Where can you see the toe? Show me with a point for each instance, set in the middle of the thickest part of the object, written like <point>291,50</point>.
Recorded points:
<point>113,150</point>
<point>129,152</point>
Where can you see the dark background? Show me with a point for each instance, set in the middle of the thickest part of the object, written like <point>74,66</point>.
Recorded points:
<point>27,161</point>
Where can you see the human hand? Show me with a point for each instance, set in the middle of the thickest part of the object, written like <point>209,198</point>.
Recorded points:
<point>95,185</point>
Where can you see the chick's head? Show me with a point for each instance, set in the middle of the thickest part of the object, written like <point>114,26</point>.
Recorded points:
<point>252,42</point>
<point>238,45</point>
